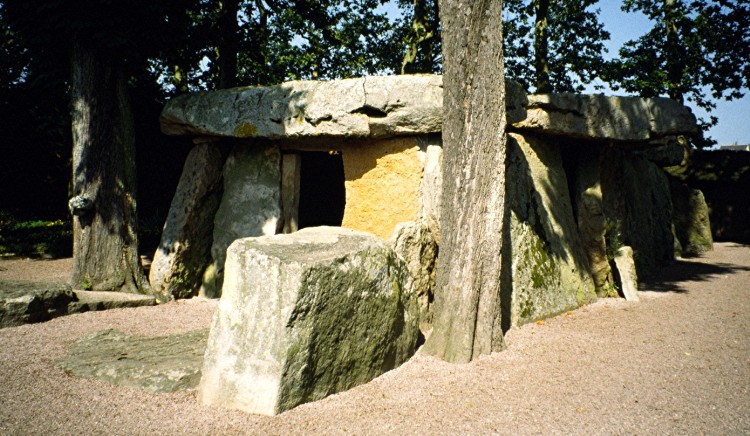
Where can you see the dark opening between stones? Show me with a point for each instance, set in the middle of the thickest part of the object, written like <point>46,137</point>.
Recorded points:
<point>322,192</point>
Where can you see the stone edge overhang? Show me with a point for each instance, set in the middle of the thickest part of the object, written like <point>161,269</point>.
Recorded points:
<point>406,105</point>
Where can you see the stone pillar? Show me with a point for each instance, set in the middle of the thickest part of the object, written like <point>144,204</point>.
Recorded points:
<point>250,206</point>
<point>185,247</point>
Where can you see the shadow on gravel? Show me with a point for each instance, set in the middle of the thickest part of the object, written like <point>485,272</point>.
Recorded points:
<point>669,278</point>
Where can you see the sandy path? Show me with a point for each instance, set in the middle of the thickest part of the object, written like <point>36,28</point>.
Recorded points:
<point>678,362</point>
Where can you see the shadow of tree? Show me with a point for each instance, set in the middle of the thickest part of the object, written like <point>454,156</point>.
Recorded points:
<point>671,278</point>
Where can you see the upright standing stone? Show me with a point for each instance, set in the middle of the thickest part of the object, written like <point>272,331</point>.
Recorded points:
<point>382,185</point>
<point>638,205</point>
<point>250,206</point>
<point>306,315</point>
<point>185,247</point>
<point>592,223</point>
<point>549,266</point>
<point>691,220</point>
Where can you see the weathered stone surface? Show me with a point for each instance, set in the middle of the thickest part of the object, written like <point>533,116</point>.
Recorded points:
<point>430,193</point>
<point>306,315</point>
<point>416,244</point>
<point>250,205</point>
<point>382,183</point>
<point>156,364</point>
<point>604,117</point>
<point>626,272</point>
<point>361,107</point>
<point>23,302</point>
<point>667,152</point>
<point>592,224</point>
<point>372,106</point>
<point>516,102</point>
<point>638,207</point>
<point>185,247</point>
<point>549,267</point>
<point>99,300</point>
<point>691,219</point>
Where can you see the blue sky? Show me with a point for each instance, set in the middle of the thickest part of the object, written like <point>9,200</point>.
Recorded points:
<point>734,116</point>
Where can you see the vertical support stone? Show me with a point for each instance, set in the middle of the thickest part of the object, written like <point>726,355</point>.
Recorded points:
<point>383,180</point>
<point>291,163</point>
<point>185,247</point>
<point>250,206</point>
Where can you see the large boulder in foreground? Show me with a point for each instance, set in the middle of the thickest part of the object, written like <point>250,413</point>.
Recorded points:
<point>305,315</point>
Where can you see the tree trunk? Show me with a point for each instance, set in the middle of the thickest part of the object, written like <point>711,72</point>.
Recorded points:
<point>105,241</point>
<point>675,65</point>
<point>229,43</point>
<point>420,38</point>
<point>541,47</point>
<point>467,318</point>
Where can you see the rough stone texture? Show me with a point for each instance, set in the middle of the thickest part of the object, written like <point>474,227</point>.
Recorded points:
<point>416,244</point>
<point>638,207</point>
<point>516,102</point>
<point>382,183</point>
<point>605,117</point>
<point>430,193</point>
<point>550,271</point>
<point>692,224</point>
<point>361,107</point>
<point>156,364</point>
<point>250,205</point>
<point>306,315</point>
<point>724,178</point>
<point>592,224</point>
<point>666,152</point>
<point>626,273</point>
<point>93,300</point>
<point>185,247</point>
<point>23,302</point>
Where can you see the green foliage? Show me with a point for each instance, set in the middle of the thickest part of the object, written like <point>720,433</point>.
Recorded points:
<point>576,43</point>
<point>698,50</point>
<point>35,238</point>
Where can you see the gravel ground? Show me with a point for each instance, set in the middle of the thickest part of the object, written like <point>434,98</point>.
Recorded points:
<point>677,362</point>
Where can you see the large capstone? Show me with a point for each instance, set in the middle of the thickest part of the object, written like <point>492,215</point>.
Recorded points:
<point>375,106</point>
<point>185,247</point>
<point>604,117</point>
<point>305,315</point>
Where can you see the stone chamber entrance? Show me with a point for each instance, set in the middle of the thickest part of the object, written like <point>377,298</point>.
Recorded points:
<point>322,192</point>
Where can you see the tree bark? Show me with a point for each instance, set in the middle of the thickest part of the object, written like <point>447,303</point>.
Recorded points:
<point>420,37</point>
<point>541,47</point>
<point>467,318</point>
<point>675,64</point>
<point>105,241</point>
<point>229,43</point>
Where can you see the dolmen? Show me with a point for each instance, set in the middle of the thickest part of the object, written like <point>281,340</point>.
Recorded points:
<point>312,209</point>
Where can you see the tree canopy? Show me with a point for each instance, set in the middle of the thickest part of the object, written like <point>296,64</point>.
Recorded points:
<point>563,41</point>
<point>698,51</point>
